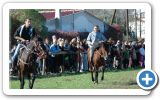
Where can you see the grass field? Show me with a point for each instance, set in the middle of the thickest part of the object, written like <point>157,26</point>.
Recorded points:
<point>125,79</point>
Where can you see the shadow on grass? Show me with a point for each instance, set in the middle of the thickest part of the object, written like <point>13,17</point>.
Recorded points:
<point>121,70</point>
<point>76,73</point>
<point>53,75</point>
<point>61,74</point>
<point>80,73</point>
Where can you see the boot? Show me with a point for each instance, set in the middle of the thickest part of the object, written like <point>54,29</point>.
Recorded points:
<point>13,68</point>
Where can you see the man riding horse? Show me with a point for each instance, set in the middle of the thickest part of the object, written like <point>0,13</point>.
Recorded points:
<point>23,35</point>
<point>94,39</point>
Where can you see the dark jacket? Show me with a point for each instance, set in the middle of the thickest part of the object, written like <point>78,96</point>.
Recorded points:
<point>25,33</point>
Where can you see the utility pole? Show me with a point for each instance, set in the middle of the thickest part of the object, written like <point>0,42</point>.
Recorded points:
<point>114,12</point>
<point>127,30</point>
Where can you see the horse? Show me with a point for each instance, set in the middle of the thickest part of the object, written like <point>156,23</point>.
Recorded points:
<point>99,56</point>
<point>26,64</point>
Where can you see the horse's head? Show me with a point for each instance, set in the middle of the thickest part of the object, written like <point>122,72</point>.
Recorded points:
<point>38,47</point>
<point>105,49</point>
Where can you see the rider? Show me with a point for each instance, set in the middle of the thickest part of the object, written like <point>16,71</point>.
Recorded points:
<point>94,39</point>
<point>23,35</point>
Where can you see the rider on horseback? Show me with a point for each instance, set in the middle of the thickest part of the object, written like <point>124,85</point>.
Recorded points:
<point>23,35</point>
<point>94,39</point>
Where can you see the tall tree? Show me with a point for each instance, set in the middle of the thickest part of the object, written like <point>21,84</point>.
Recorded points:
<point>135,23</point>
<point>127,26</point>
<point>140,22</point>
<point>113,16</point>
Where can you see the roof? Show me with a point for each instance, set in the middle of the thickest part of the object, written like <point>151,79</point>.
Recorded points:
<point>95,17</point>
<point>50,14</point>
<point>83,11</point>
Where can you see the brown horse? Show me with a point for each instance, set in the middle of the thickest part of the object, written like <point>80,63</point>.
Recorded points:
<point>99,57</point>
<point>27,61</point>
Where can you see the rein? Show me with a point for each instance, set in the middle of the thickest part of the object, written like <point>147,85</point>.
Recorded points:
<point>99,53</point>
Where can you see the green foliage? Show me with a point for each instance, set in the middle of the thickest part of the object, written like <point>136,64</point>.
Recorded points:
<point>19,15</point>
<point>14,24</point>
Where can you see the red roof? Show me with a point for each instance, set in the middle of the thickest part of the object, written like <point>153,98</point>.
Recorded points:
<point>51,14</point>
<point>67,12</point>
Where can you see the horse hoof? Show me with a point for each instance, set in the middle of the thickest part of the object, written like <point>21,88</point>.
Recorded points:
<point>95,82</point>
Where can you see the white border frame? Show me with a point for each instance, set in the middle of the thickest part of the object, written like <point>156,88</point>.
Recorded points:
<point>8,6</point>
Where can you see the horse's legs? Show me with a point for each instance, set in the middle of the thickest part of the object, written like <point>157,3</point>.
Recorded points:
<point>92,70</point>
<point>102,78</point>
<point>31,80</point>
<point>21,78</point>
<point>92,76</point>
<point>96,76</point>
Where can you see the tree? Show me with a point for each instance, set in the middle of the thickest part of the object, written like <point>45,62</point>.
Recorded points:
<point>13,26</point>
<point>17,17</point>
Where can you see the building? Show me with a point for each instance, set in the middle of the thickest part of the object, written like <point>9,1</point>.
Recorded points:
<point>79,21</point>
